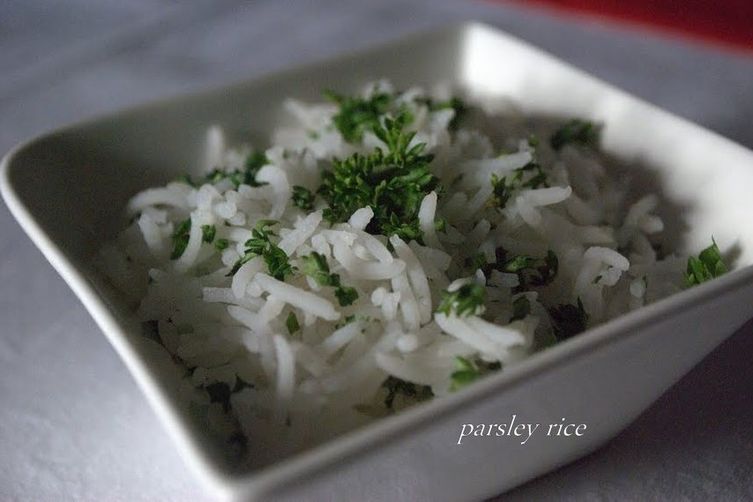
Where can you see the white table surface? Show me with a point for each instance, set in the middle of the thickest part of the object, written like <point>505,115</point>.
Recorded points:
<point>73,425</point>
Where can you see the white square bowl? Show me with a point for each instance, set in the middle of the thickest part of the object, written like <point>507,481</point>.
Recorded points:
<point>68,188</point>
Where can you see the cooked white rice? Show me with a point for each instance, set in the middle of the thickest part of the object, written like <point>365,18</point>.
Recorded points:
<point>329,376</point>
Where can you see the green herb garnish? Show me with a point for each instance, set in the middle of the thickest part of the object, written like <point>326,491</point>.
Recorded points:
<point>395,386</point>
<point>529,176</point>
<point>348,319</point>
<point>576,131</point>
<point>358,115</point>
<point>465,372</point>
<point>345,295</point>
<point>477,261</point>
<point>302,198</point>
<point>393,184</point>
<point>521,307</point>
<point>186,178</point>
<point>467,300</point>
<point>568,320</point>
<point>531,271</point>
<point>315,266</point>
<point>208,232</point>
<point>254,162</point>
<point>707,266</point>
<point>292,323</point>
<point>260,245</point>
<point>246,176</point>
<point>454,103</point>
<point>468,371</point>
<point>221,244</point>
<point>181,235</point>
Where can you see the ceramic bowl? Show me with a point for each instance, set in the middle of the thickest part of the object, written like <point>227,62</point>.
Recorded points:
<point>68,189</point>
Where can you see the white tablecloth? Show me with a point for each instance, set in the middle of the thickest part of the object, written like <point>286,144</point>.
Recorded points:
<point>73,425</point>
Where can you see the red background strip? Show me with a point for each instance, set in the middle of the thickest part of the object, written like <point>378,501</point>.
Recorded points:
<point>726,22</point>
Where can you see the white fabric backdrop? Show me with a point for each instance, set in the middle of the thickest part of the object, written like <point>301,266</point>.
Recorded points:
<point>72,423</point>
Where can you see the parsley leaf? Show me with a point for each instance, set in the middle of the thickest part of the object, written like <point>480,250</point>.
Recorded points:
<point>521,307</point>
<point>292,323</point>
<point>315,266</point>
<point>568,320</point>
<point>181,235</point>
<point>358,115</point>
<point>518,263</point>
<point>254,162</point>
<point>186,178</point>
<point>302,198</point>
<point>393,184</point>
<point>260,245</point>
<point>454,103</point>
<point>530,175</point>
<point>475,262</point>
<point>247,176</point>
<point>707,266</point>
<point>467,300</point>
<point>576,131</point>
<point>531,271</point>
<point>208,232</point>
<point>221,244</point>
<point>345,295</point>
<point>465,372</point>
<point>395,386</point>
<point>546,270</point>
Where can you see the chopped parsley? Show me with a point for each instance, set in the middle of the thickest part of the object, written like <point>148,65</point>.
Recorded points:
<point>530,175</point>
<point>348,319</point>
<point>292,323</point>
<point>531,271</point>
<point>476,261</point>
<point>315,266</point>
<point>393,184</point>
<point>208,232</point>
<point>260,245</point>
<point>345,295</point>
<point>254,162</point>
<point>546,270</point>
<point>467,371</point>
<point>185,178</point>
<point>578,132</point>
<point>395,386</point>
<point>302,198</point>
<point>521,307</point>
<point>518,263</point>
<point>707,266</point>
<point>568,320</point>
<point>453,103</point>
<point>246,176</point>
<point>467,300</point>
<point>221,244</point>
<point>357,115</point>
<point>181,235</point>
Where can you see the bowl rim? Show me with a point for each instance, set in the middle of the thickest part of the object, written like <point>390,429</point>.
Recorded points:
<point>356,442</point>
